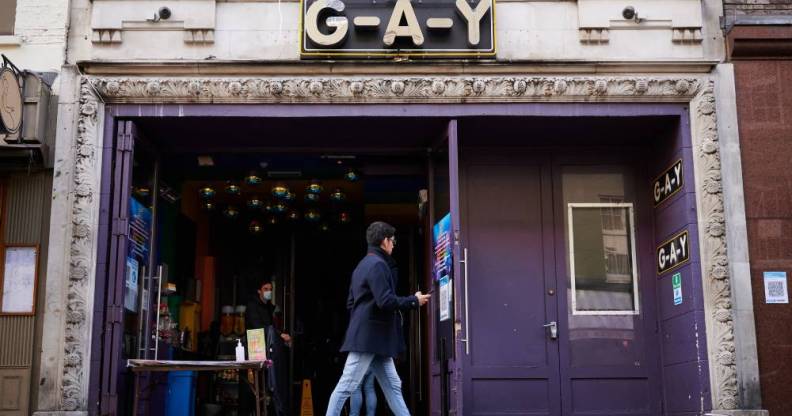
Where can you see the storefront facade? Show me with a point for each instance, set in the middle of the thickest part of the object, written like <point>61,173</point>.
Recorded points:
<point>534,138</point>
<point>32,48</point>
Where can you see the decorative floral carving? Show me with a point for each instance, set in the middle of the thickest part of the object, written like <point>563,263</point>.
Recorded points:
<point>276,88</point>
<point>600,87</point>
<point>356,87</point>
<point>397,87</point>
<point>479,86</point>
<point>713,246</point>
<point>234,87</point>
<point>682,87</point>
<point>194,88</point>
<point>74,380</point>
<point>153,88</point>
<point>560,86</point>
<point>315,87</point>
<point>438,87</point>
<point>342,89</point>
<point>113,87</point>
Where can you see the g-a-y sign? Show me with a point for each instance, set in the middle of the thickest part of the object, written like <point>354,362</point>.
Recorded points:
<point>673,253</point>
<point>668,183</point>
<point>390,28</point>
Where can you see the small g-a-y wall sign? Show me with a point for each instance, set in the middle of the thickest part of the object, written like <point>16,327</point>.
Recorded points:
<point>668,183</point>
<point>394,28</point>
<point>673,253</point>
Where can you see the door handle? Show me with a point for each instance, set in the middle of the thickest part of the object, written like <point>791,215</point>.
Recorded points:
<point>553,329</point>
<point>466,340</point>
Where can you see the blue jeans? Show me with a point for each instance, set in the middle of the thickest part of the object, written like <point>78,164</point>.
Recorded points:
<point>356,401</point>
<point>357,364</point>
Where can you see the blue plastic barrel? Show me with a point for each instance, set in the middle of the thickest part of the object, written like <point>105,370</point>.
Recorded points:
<point>181,394</point>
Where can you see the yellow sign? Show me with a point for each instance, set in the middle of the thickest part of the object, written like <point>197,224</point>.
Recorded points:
<point>306,405</point>
<point>257,346</point>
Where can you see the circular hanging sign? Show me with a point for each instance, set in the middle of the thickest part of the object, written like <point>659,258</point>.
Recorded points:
<point>10,102</point>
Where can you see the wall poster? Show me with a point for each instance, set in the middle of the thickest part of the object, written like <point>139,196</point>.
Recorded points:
<point>19,280</point>
<point>443,265</point>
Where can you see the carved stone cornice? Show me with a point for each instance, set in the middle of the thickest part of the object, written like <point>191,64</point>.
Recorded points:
<point>699,91</point>
<point>395,89</point>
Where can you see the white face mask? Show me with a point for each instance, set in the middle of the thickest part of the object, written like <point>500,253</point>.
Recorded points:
<point>267,295</point>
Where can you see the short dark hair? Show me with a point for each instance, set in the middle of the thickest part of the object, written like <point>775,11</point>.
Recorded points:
<point>379,231</point>
<point>263,282</point>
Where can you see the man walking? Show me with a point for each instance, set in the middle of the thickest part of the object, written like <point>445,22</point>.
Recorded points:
<point>374,335</point>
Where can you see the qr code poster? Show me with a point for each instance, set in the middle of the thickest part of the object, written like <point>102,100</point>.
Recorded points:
<point>775,284</point>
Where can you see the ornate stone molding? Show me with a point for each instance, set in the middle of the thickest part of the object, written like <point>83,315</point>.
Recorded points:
<point>395,89</point>
<point>714,255</point>
<point>79,288</point>
<point>699,92</point>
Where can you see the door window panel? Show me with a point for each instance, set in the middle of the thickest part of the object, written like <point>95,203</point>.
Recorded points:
<point>602,258</point>
<point>601,271</point>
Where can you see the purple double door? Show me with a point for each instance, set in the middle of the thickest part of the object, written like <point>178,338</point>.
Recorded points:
<point>556,299</point>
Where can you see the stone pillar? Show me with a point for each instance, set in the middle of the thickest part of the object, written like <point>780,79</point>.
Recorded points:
<point>71,266</point>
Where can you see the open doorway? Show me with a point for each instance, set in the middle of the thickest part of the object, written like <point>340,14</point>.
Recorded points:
<point>268,201</point>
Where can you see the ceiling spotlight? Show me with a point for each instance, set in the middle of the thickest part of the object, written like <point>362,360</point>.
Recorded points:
<point>351,175</point>
<point>231,212</point>
<point>206,192</point>
<point>280,190</point>
<point>338,195</point>
<point>279,208</point>
<point>233,189</point>
<point>208,206</point>
<point>255,202</point>
<point>315,187</point>
<point>253,179</point>
<point>313,215</point>
<point>255,227</point>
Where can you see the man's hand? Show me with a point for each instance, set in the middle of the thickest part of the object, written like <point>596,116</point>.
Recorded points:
<point>422,299</point>
<point>287,339</point>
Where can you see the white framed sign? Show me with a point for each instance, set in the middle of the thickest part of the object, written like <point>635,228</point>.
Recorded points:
<point>20,270</point>
<point>775,284</point>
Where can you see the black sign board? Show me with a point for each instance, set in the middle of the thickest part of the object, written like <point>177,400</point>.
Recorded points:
<point>673,253</point>
<point>397,28</point>
<point>668,183</point>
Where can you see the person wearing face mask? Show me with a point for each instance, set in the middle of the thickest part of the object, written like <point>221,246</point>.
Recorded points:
<point>260,313</point>
<point>260,310</point>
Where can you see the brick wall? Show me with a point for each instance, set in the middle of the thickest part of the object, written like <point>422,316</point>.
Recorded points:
<point>757,7</point>
<point>39,39</point>
<point>764,105</point>
<point>41,21</point>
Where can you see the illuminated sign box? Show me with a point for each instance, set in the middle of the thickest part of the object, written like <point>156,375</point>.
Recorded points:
<point>394,28</point>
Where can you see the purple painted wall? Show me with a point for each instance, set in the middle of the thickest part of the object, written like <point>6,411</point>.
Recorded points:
<point>682,328</point>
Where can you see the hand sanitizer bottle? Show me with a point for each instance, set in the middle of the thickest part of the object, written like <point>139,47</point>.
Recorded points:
<point>240,351</point>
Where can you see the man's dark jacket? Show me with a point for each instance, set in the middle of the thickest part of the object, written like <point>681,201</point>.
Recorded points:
<point>258,314</point>
<point>375,322</point>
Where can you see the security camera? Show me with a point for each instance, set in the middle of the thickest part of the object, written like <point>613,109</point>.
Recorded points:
<point>164,13</point>
<point>629,13</point>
